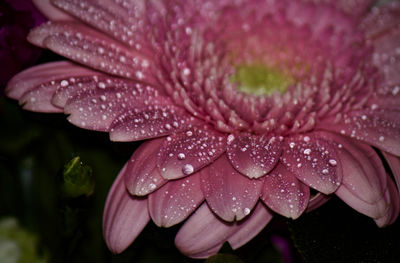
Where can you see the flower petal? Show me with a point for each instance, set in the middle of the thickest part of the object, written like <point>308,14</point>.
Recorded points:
<point>175,201</point>
<point>35,76</point>
<point>393,199</point>
<point>316,201</point>
<point>85,46</point>
<point>39,99</point>
<point>229,194</point>
<point>124,216</point>
<point>203,234</point>
<point>313,161</point>
<point>254,156</point>
<point>116,20</point>
<point>284,194</point>
<point>250,227</point>
<point>140,124</point>
<point>96,106</point>
<point>142,176</point>
<point>380,128</point>
<point>186,152</point>
<point>364,179</point>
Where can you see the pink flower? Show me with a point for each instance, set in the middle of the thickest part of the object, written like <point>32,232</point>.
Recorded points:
<point>245,105</point>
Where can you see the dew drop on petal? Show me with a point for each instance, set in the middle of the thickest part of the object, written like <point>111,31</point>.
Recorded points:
<point>181,156</point>
<point>188,169</point>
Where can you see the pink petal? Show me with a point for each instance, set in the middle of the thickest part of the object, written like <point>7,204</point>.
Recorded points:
<point>394,163</point>
<point>124,216</point>
<point>364,178</point>
<point>254,156</point>
<point>97,106</point>
<point>313,161</point>
<point>393,199</point>
<point>78,85</point>
<point>35,76</point>
<point>186,152</point>
<point>142,176</point>
<point>39,99</point>
<point>316,201</point>
<point>140,124</point>
<point>284,194</point>
<point>111,17</point>
<point>85,46</point>
<point>229,194</point>
<point>380,128</point>
<point>250,227</point>
<point>175,201</point>
<point>50,11</point>
<point>203,234</point>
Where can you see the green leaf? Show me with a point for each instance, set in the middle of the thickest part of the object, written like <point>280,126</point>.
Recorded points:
<point>77,179</point>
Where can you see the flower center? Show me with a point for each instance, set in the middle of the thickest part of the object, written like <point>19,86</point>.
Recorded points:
<point>260,80</point>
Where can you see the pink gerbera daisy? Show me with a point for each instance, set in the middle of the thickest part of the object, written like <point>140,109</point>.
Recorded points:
<point>244,106</point>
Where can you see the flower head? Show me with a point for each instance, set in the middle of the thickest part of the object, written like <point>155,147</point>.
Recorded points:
<point>244,106</point>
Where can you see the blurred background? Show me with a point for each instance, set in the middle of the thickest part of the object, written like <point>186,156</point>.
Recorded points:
<point>54,180</point>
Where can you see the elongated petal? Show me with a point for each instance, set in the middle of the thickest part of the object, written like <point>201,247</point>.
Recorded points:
<point>203,234</point>
<point>284,194</point>
<point>364,179</point>
<point>39,98</point>
<point>124,216</point>
<point>229,194</point>
<point>109,17</point>
<point>393,199</point>
<point>316,201</point>
<point>35,76</point>
<point>254,156</point>
<point>175,201</point>
<point>142,176</point>
<point>313,161</point>
<point>186,152</point>
<point>250,227</point>
<point>98,106</point>
<point>380,128</point>
<point>140,124</point>
<point>85,46</point>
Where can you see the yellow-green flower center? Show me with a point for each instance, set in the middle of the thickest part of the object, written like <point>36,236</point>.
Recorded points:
<point>260,80</point>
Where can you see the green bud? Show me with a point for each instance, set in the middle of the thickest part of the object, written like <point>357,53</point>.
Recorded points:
<point>77,179</point>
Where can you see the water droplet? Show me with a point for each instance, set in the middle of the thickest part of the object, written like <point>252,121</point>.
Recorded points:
<point>332,162</point>
<point>307,151</point>
<point>181,156</point>
<point>246,211</point>
<point>64,83</point>
<point>188,169</point>
<point>230,138</point>
<point>101,85</point>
